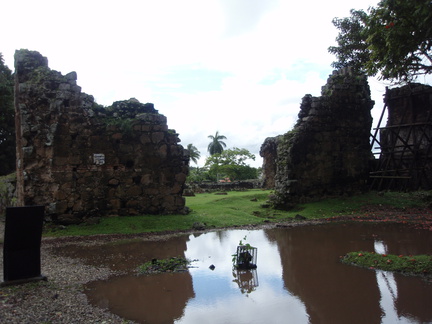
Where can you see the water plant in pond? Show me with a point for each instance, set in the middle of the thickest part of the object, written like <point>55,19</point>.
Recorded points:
<point>154,266</point>
<point>245,257</point>
<point>417,265</point>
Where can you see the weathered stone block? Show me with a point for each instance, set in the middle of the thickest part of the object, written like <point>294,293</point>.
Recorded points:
<point>71,76</point>
<point>163,151</point>
<point>157,137</point>
<point>133,203</point>
<point>115,204</point>
<point>60,195</point>
<point>117,136</point>
<point>180,177</point>
<point>146,179</point>
<point>134,191</point>
<point>113,182</point>
<point>60,206</point>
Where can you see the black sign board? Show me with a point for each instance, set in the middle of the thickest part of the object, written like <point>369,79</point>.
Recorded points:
<point>22,242</point>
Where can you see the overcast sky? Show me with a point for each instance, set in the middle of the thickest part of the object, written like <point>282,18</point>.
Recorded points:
<point>239,67</point>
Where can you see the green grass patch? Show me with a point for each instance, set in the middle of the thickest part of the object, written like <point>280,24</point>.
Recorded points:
<point>345,206</point>
<point>238,208</point>
<point>409,265</point>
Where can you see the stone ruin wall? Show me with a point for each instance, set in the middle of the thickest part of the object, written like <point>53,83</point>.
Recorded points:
<point>406,138</point>
<point>81,160</point>
<point>328,151</point>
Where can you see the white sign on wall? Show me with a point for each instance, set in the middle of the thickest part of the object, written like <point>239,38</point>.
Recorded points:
<point>99,158</point>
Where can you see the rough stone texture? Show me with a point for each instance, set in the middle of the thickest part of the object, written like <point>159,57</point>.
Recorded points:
<point>81,160</point>
<point>328,150</point>
<point>269,153</point>
<point>406,138</point>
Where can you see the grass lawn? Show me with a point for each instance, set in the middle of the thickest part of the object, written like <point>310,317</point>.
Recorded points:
<point>240,208</point>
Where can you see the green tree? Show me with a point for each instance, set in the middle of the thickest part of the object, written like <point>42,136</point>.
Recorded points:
<point>193,153</point>
<point>197,174</point>
<point>393,40</point>
<point>231,163</point>
<point>352,50</point>
<point>216,145</point>
<point>7,120</point>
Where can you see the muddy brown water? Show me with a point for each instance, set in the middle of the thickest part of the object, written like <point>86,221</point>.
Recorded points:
<point>299,278</point>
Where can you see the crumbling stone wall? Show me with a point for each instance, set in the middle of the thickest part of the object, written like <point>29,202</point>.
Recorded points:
<point>406,159</point>
<point>328,150</point>
<point>269,153</point>
<point>82,160</point>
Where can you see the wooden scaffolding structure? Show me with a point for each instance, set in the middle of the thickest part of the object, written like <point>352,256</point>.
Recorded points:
<point>402,148</point>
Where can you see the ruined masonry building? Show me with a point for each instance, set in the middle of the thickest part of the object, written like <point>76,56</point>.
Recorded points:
<point>328,151</point>
<point>82,160</point>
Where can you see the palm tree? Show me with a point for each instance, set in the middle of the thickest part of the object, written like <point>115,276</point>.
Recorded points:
<point>193,153</point>
<point>216,145</point>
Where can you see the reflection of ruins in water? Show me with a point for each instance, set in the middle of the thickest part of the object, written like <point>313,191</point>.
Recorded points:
<point>147,298</point>
<point>301,278</point>
<point>336,293</point>
<point>144,298</point>
<point>247,280</point>
<point>391,291</point>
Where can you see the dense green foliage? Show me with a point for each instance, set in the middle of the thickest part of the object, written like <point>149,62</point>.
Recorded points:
<point>231,163</point>
<point>407,264</point>
<point>7,120</point>
<point>393,39</point>
<point>217,144</point>
<point>197,174</point>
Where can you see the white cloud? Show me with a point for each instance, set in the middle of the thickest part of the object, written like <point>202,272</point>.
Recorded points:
<point>238,67</point>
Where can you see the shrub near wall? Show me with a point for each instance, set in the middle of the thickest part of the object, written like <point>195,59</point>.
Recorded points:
<point>7,192</point>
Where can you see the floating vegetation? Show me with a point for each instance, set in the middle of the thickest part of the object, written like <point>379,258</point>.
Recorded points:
<point>155,266</point>
<point>415,265</point>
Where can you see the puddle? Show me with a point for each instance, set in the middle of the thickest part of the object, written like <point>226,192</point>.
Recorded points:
<point>299,278</point>
<point>126,255</point>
